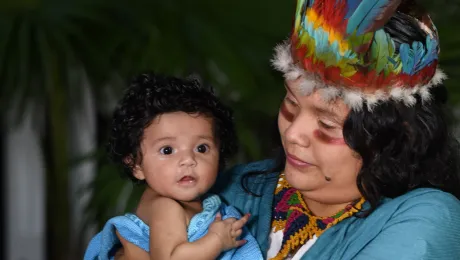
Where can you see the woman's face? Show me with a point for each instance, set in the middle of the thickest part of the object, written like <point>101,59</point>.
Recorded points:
<point>318,161</point>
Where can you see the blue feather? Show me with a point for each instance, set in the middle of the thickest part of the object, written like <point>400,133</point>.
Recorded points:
<point>365,14</point>
<point>419,54</point>
<point>351,7</point>
<point>431,53</point>
<point>418,57</point>
<point>321,42</point>
<point>305,5</point>
<point>308,26</point>
<point>406,59</point>
<point>335,54</point>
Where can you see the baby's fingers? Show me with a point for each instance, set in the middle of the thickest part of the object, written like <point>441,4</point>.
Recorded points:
<point>218,217</point>
<point>241,222</point>
<point>237,233</point>
<point>241,242</point>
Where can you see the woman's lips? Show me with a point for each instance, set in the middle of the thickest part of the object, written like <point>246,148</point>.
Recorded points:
<point>296,162</point>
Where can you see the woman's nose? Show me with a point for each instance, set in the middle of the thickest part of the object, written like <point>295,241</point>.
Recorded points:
<point>297,132</point>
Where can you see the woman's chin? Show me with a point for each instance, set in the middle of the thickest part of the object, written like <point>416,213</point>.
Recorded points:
<point>304,180</point>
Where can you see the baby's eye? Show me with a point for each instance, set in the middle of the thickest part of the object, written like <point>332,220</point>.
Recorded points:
<point>166,150</point>
<point>202,148</point>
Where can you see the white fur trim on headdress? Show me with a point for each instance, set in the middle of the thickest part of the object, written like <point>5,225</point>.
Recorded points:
<point>284,62</point>
<point>329,93</point>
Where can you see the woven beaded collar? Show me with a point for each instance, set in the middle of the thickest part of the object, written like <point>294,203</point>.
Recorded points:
<point>292,216</point>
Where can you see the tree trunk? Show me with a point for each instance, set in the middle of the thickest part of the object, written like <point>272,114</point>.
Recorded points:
<point>57,175</point>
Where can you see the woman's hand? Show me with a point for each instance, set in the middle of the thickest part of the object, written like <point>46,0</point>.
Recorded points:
<point>130,251</point>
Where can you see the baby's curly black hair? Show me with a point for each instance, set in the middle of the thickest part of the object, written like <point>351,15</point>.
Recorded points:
<point>150,95</point>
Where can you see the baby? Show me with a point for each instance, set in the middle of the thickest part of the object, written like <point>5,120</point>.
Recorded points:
<point>174,136</point>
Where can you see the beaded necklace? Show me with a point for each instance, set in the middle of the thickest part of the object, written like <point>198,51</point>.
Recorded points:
<point>292,216</point>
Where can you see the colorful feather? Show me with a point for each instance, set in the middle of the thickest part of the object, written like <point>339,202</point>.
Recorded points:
<point>381,50</point>
<point>383,53</point>
<point>432,50</point>
<point>361,43</point>
<point>351,6</point>
<point>411,56</point>
<point>343,43</point>
<point>370,15</point>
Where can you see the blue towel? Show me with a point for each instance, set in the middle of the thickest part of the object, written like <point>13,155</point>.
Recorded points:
<point>137,232</point>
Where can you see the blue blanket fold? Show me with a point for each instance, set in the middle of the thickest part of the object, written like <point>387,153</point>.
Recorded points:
<point>137,232</point>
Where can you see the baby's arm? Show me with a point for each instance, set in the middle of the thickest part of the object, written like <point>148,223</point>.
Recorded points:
<point>129,251</point>
<point>168,234</point>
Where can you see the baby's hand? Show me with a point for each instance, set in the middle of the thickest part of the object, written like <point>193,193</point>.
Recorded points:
<point>228,231</point>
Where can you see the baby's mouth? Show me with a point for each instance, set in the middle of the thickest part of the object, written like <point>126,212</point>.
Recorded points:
<point>187,179</point>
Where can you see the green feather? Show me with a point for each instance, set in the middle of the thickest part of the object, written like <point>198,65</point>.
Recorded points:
<point>379,51</point>
<point>357,42</point>
<point>383,53</point>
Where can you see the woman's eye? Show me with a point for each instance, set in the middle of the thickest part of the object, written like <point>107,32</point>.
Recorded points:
<point>202,148</point>
<point>325,125</point>
<point>290,101</point>
<point>166,150</point>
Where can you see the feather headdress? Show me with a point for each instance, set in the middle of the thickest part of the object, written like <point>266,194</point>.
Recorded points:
<point>346,48</point>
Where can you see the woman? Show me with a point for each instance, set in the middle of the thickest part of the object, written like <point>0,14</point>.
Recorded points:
<point>369,169</point>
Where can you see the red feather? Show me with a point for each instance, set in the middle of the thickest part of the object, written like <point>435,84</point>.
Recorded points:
<point>333,13</point>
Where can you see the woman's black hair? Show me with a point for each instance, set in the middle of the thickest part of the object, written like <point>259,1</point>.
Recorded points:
<point>150,95</point>
<point>402,148</point>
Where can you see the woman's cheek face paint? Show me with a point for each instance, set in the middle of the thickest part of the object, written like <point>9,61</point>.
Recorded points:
<point>327,139</point>
<point>285,112</point>
<point>317,133</point>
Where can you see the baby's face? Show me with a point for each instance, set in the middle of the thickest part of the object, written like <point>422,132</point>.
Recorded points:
<point>180,156</point>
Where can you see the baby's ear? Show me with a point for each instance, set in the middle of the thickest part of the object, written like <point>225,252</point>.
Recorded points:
<point>138,173</point>
<point>135,168</point>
